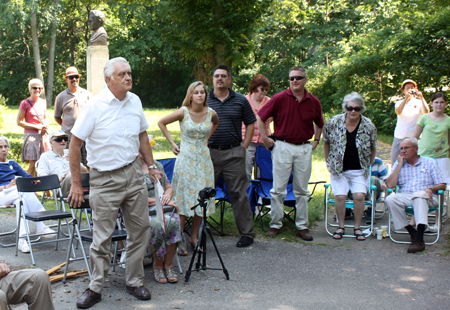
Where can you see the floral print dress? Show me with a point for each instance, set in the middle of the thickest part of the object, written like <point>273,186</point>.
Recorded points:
<point>159,239</point>
<point>193,169</point>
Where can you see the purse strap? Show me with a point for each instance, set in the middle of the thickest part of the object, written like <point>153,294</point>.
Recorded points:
<point>34,109</point>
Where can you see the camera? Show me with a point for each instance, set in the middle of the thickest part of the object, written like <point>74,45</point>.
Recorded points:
<point>413,92</point>
<point>207,192</point>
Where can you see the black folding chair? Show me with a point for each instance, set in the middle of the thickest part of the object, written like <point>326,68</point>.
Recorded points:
<point>38,184</point>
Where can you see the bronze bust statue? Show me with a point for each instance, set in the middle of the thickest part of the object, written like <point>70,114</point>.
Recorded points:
<point>96,22</point>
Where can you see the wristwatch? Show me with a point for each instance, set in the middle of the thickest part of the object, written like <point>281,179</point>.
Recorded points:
<point>152,167</point>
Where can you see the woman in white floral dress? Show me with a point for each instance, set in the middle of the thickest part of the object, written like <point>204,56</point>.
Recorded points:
<point>193,168</point>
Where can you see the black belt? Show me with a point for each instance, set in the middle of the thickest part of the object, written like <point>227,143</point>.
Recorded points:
<point>278,139</point>
<point>225,147</point>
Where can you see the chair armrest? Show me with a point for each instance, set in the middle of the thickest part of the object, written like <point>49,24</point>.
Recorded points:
<point>373,187</point>
<point>440,192</point>
<point>327,185</point>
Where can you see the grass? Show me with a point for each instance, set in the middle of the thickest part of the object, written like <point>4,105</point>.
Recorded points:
<point>163,150</point>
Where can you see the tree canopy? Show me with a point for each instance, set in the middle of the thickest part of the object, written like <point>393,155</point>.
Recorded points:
<point>366,46</point>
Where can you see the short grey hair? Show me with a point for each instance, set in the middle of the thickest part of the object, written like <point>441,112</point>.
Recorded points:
<point>355,97</point>
<point>109,69</point>
<point>298,68</point>
<point>3,138</point>
<point>34,81</point>
<point>412,139</point>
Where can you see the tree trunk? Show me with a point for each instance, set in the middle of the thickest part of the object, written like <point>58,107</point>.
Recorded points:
<point>51,61</point>
<point>36,52</point>
<point>220,56</point>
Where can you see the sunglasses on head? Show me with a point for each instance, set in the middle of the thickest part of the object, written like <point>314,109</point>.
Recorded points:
<point>60,139</point>
<point>74,77</point>
<point>298,78</point>
<point>36,88</point>
<point>357,109</point>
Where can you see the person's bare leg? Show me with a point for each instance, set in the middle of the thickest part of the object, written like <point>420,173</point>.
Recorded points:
<point>358,208</point>
<point>196,221</point>
<point>168,258</point>
<point>158,268</point>
<point>340,212</point>
<point>32,169</point>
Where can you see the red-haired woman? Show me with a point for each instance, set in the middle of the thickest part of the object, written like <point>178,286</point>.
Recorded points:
<point>259,86</point>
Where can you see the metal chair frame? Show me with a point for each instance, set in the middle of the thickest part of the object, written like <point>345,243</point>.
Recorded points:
<point>35,184</point>
<point>410,211</point>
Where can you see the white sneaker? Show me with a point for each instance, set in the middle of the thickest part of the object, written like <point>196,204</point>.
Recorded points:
<point>51,233</point>
<point>432,229</point>
<point>23,246</point>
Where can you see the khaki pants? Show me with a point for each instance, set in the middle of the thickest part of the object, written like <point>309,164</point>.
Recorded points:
<point>287,158</point>
<point>397,204</point>
<point>231,164</point>
<point>121,188</point>
<point>31,286</point>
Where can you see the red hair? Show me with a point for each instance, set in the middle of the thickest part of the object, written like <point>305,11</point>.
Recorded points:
<point>258,80</point>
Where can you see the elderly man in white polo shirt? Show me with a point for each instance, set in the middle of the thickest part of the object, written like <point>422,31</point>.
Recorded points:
<point>114,128</point>
<point>54,161</point>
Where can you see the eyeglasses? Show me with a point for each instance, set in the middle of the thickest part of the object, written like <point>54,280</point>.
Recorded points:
<point>357,109</point>
<point>74,77</point>
<point>36,88</point>
<point>298,78</point>
<point>405,148</point>
<point>223,76</point>
<point>263,89</point>
<point>60,139</point>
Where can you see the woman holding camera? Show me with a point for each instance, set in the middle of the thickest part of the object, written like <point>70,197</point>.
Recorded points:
<point>193,168</point>
<point>408,111</point>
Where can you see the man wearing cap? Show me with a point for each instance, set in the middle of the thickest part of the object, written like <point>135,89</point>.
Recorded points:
<point>408,111</point>
<point>54,161</point>
<point>69,103</point>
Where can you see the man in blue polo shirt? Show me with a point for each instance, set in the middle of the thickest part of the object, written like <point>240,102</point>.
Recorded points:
<point>228,150</point>
<point>297,117</point>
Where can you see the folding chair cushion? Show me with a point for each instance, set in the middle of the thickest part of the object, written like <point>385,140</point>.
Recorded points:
<point>47,215</point>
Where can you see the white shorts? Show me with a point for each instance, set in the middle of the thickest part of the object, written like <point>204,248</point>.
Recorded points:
<point>353,180</point>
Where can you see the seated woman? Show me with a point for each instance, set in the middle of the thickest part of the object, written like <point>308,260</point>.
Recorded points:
<point>163,245</point>
<point>350,142</point>
<point>9,169</point>
<point>54,161</point>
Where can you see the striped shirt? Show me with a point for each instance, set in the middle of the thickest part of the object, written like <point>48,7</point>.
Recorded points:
<point>418,177</point>
<point>234,110</point>
<point>379,170</point>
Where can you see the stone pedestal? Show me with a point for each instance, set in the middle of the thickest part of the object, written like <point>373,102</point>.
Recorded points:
<point>97,56</point>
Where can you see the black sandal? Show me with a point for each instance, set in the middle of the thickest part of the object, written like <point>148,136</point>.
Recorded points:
<point>338,235</point>
<point>358,236</point>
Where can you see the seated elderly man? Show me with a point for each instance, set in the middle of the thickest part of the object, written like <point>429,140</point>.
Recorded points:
<point>31,286</point>
<point>419,179</point>
<point>54,161</point>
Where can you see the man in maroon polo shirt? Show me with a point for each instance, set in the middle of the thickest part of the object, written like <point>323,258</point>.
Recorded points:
<point>297,117</point>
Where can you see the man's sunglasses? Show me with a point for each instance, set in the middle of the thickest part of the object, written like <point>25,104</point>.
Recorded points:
<point>298,78</point>
<point>60,139</point>
<point>357,109</point>
<point>74,77</point>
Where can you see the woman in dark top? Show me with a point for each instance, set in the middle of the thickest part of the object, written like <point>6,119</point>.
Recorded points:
<point>350,142</point>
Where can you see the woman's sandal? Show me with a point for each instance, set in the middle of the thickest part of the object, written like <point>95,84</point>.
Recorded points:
<point>160,276</point>
<point>171,275</point>
<point>358,236</point>
<point>338,235</point>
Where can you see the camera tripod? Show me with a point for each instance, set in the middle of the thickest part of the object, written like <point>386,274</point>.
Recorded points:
<point>200,246</point>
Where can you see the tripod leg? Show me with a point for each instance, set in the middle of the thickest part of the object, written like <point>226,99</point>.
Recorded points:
<point>189,270</point>
<point>225,271</point>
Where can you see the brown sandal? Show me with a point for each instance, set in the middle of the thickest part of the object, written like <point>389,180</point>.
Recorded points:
<point>171,275</point>
<point>160,276</point>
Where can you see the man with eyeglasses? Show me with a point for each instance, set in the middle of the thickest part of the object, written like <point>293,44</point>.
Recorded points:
<point>55,162</point>
<point>69,103</point>
<point>228,150</point>
<point>297,117</point>
<point>419,180</point>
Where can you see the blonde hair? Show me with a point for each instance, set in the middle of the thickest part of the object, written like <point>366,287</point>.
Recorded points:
<point>190,91</point>
<point>34,81</point>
